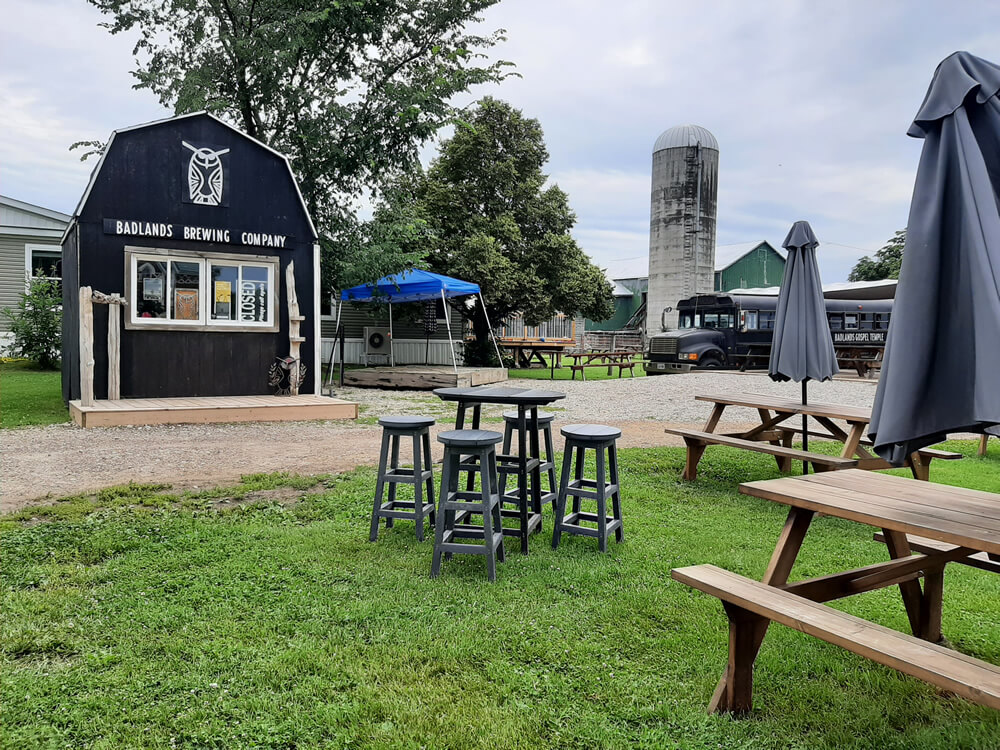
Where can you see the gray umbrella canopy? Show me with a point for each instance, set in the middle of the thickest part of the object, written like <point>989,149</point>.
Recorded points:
<point>802,347</point>
<point>941,371</point>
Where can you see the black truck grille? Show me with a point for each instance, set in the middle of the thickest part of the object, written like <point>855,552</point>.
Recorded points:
<point>663,346</point>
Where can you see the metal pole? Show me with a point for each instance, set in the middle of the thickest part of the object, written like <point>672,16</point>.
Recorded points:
<point>451,344</point>
<point>496,347</point>
<point>392,356</point>
<point>805,430</point>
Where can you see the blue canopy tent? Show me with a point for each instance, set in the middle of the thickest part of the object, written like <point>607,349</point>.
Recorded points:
<point>415,285</point>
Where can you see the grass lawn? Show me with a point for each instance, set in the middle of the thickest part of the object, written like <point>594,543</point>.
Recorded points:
<point>29,396</point>
<point>144,618</point>
<point>565,373</point>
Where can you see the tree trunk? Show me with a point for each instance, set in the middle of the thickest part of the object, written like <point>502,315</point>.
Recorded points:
<point>480,352</point>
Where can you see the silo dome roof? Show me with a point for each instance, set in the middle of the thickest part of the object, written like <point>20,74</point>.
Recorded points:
<point>682,136</point>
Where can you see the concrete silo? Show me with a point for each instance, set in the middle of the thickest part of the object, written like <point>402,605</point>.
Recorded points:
<point>681,221</point>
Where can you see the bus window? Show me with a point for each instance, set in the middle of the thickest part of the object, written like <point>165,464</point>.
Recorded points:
<point>836,321</point>
<point>867,321</point>
<point>751,320</point>
<point>851,321</point>
<point>687,320</point>
<point>711,320</point>
<point>882,321</point>
<point>766,320</point>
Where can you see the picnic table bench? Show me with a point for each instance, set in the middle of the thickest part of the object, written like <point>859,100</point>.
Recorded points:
<point>774,437</point>
<point>623,360</point>
<point>959,526</point>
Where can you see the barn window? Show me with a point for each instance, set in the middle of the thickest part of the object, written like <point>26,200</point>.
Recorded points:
<point>207,291</point>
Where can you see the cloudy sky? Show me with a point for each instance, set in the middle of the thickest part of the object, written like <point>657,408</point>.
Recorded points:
<point>809,101</point>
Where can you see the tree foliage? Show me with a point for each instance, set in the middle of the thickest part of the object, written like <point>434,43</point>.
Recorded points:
<point>348,89</point>
<point>885,264</point>
<point>491,219</point>
<point>36,323</point>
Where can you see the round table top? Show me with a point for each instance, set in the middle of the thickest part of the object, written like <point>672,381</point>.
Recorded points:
<point>490,394</point>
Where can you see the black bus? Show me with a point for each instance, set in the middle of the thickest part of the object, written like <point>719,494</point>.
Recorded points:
<point>734,331</point>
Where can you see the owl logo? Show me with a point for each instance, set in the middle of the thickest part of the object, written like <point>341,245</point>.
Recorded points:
<point>205,175</point>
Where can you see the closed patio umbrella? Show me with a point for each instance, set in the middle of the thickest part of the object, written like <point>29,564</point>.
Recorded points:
<point>802,348</point>
<point>941,371</point>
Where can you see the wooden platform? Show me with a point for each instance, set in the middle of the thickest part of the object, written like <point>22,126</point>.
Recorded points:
<point>141,411</point>
<point>423,377</point>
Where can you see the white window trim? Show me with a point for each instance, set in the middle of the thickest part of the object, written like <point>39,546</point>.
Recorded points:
<point>29,271</point>
<point>204,259</point>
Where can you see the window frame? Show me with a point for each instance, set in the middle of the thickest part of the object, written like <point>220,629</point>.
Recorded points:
<point>205,323</point>
<point>29,266</point>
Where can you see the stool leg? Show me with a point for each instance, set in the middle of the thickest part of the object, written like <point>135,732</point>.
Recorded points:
<point>602,510</point>
<point>508,434</point>
<point>550,458</point>
<point>450,516</point>
<point>495,509</point>
<point>442,515</point>
<point>578,476</point>
<point>561,497</point>
<point>486,492</point>
<point>616,499</point>
<point>394,464</point>
<point>379,486</point>
<point>418,489</point>
<point>536,474</point>
<point>522,477</point>
<point>429,463</point>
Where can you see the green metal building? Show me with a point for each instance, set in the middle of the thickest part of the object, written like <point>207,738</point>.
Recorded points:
<point>748,265</point>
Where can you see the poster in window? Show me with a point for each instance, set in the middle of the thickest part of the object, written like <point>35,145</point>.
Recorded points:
<point>152,289</point>
<point>185,304</point>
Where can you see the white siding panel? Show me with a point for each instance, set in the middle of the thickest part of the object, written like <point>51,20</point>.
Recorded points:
<point>407,352</point>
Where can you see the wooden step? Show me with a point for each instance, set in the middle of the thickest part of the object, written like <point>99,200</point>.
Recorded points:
<point>926,546</point>
<point>711,438</point>
<point>963,675</point>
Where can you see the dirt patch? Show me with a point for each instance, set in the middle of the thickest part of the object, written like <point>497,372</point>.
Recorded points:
<point>44,463</point>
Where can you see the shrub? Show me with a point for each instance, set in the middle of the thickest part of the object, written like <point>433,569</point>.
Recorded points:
<point>36,323</point>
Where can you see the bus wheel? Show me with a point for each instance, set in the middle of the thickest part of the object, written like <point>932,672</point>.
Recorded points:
<point>711,363</point>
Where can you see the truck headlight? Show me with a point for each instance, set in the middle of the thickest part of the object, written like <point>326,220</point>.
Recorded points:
<point>692,356</point>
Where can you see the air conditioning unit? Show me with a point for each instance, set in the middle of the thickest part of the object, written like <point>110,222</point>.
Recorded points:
<point>376,340</point>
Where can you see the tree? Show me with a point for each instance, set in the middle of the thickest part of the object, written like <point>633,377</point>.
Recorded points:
<point>885,264</point>
<point>494,222</point>
<point>36,323</point>
<point>348,89</point>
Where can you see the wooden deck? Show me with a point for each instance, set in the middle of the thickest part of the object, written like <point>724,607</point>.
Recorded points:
<point>423,377</point>
<point>142,411</point>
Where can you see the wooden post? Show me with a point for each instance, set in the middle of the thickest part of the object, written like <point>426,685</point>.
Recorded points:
<point>86,346</point>
<point>294,321</point>
<point>114,349</point>
<point>982,444</point>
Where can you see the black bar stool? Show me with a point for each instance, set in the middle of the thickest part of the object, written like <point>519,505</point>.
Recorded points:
<point>547,466</point>
<point>456,504</point>
<point>580,437</point>
<point>390,472</point>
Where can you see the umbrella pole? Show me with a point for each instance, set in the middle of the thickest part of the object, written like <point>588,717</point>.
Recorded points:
<point>493,336</point>
<point>805,429</point>
<point>333,349</point>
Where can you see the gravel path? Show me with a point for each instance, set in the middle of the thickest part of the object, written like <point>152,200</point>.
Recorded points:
<point>44,462</point>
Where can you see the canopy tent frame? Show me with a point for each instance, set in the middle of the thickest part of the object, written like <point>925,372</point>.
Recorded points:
<point>413,286</point>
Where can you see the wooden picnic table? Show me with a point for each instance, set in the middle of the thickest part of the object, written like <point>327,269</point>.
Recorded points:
<point>527,461</point>
<point>621,359</point>
<point>773,436</point>
<point>529,351</point>
<point>961,526</point>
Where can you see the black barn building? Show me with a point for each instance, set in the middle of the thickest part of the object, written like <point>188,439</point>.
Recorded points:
<point>194,224</point>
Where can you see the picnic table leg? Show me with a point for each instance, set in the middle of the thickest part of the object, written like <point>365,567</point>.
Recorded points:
<point>913,597</point>
<point>919,466</point>
<point>714,417</point>
<point>784,463</point>
<point>743,626</point>
<point>695,450</point>
<point>778,570</point>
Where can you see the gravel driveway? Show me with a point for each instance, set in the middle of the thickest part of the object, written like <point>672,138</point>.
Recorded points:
<point>45,462</point>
